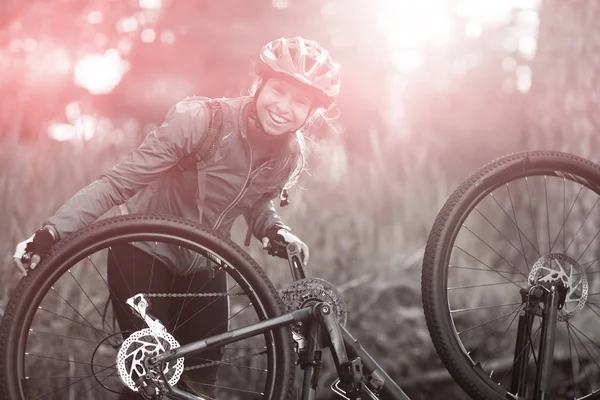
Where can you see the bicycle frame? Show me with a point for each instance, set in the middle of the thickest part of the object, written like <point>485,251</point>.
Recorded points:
<point>359,373</point>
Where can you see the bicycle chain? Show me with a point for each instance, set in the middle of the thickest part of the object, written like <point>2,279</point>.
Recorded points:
<point>216,295</point>
<point>210,364</point>
<point>220,294</point>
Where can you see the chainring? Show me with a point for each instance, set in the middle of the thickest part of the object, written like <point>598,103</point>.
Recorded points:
<point>304,292</point>
<point>140,345</point>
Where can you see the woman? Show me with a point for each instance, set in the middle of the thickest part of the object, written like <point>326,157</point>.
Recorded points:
<point>258,153</point>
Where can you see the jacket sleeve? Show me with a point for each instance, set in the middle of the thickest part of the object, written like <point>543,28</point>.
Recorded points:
<point>262,217</point>
<point>181,133</point>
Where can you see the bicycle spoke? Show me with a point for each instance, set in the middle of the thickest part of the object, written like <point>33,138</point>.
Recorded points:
<point>588,246</point>
<point>69,337</point>
<point>578,355</point>
<point>202,396</point>
<point>492,320</point>
<point>486,284</point>
<point>64,359</point>
<point>170,298</point>
<point>571,360</point>
<point>531,342</point>
<point>513,222</point>
<point>480,269</point>
<point>200,290</point>
<point>547,212</point>
<point>98,330</point>
<point>229,319</point>
<point>515,312</point>
<point>574,328</point>
<point>527,263</point>
<point>237,365</point>
<point>228,388</point>
<point>112,296</point>
<point>590,304</point>
<point>185,300</point>
<point>67,386</point>
<point>204,308</point>
<point>583,223</point>
<point>38,378</point>
<point>562,228</point>
<point>565,217</point>
<point>73,308</point>
<point>590,266</point>
<point>537,249</point>
<point>501,256</point>
<point>490,268</point>
<point>592,262</point>
<point>85,294</point>
<point>152,268</point>
<point>114,374</point>
<point>507,239</point>
<point>483,307</point>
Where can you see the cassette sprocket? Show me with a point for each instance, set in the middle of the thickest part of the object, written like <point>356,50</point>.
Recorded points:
<point>305,292</point>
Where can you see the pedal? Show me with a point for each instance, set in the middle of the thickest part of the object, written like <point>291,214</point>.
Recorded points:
<point>351,378</point>
<point>335,387</point>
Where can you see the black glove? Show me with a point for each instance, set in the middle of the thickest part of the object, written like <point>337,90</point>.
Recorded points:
<point>30,252</point>
<point>42,241</point>
<point>284,236</point>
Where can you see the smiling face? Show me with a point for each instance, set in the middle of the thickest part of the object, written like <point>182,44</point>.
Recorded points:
<point>283,106</point>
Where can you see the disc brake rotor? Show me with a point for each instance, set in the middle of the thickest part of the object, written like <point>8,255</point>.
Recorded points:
<point>140,345</point>
<point>555,267</point>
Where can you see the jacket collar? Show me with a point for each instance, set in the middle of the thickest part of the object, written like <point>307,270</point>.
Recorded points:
<point>244,110</point>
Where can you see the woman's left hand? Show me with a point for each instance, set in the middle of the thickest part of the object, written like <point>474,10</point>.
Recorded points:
<point>283,235</point>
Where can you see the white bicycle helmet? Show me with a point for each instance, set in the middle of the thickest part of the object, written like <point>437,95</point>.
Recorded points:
<point>305,61</point>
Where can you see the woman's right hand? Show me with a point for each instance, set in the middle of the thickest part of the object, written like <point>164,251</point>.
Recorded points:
<point>31,251</point>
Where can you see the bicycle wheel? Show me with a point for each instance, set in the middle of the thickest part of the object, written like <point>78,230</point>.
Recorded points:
<point>519,220</point>
<point>61,339</point>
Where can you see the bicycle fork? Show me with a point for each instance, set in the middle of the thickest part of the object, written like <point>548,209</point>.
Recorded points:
<point>349,358</point>
<point>553,299</point>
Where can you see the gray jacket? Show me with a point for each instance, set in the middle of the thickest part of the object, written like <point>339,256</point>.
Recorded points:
<point>165,175</point>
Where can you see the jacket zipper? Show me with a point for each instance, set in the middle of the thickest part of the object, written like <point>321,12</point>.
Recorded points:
<point>242,192</point>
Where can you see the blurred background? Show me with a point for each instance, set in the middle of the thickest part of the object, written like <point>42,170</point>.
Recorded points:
<point>431,90</point>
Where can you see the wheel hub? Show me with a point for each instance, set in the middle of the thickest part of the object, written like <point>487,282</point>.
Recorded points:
<point>555,268</point>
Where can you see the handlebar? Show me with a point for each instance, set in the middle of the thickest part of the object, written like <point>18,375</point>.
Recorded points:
<point>291,252</point>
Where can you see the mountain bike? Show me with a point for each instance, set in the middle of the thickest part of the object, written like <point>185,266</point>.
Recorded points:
<point>511,244</point>
<point>510,279</point>
<point>59,340</point>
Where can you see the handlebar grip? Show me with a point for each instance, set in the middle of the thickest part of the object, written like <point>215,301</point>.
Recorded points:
<point>278,248</point>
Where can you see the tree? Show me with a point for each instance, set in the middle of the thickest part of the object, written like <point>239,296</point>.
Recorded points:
<point>563,101</point>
